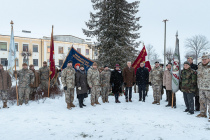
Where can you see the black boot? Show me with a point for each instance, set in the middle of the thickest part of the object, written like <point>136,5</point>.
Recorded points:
<point>80,103</point>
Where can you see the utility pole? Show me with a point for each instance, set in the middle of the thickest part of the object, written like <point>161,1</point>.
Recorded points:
<point>165,44</point>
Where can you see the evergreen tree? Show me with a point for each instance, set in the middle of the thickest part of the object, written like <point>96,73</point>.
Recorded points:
<point>115,27</point>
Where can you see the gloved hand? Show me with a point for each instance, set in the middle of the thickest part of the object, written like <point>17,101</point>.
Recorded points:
<point>79,88</point>
<point>59,70</point>
<point>164,87</point>
<point>133,83</point>
<point>150,83</point>
<point>125,84</point>
<point>15,72</point>
<point>65,88</point>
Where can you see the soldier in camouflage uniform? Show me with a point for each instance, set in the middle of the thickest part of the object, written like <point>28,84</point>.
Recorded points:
<point>105,83</point>
<point>203,80</point>
<point>5,85</point>
<point>188,86</point>
<point>156,80</point>
<point>35,84</point>
<point>44,73</point>
<point>93,78</point>
<point>68,81</point>
<point>26,80</point>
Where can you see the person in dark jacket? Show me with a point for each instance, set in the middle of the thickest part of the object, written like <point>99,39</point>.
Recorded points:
<point>195,67</point>
<point>142,79</point>
<point>81,85</point>
<point>116,82</point>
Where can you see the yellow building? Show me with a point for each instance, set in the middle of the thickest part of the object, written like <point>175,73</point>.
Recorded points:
<point>38,49</point>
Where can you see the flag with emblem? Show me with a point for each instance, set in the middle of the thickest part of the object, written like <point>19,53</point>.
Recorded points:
<point>12,52</point>
<point>176,67</point>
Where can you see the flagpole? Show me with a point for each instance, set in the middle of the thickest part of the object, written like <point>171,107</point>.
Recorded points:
<point>16,84</point>
<point>50,65</point>
<point>165,44</point>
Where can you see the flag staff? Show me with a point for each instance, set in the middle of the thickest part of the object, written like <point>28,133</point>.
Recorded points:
<point>165,44</point>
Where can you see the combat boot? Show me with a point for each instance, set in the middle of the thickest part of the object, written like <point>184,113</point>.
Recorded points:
<point>130,100</point>
<point>72,105</point>
<point>201,116</point>
<point>68,106</point>
<point>154,102</point>
<point>92,103</point>
<point>126,100</point>
<point>97,102</point>
<point>118,101</point>
<point>5,105</point>
<point>103,100</point>
<point>107,100</point>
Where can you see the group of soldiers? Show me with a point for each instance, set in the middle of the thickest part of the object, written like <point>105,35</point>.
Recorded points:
<point>29,80</point>
<point>194,82</point>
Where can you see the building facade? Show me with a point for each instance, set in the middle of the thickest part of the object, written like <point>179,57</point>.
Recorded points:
<point>37,50</point>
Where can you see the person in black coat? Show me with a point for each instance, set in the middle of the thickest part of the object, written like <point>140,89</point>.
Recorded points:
<point>142,79</point>
<point>116,82</point>
<point>81,85</point>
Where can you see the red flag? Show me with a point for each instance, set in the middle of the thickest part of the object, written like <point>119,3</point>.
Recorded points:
<point>139,59</point>
<point>52,57</point>
<point>147,65</point>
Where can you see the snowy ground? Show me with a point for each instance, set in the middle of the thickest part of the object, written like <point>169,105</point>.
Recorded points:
<point>129,121</point>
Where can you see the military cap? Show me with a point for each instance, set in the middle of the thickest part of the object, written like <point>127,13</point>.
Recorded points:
<point>186,62</point>
<point>205,57</point>
<point>190,57</point>
<point>31,65</point>
<point>156,62</point>
<point>105,66</point>
<point>69,61</point>
<point>81,66</point>
<point>95,64</point>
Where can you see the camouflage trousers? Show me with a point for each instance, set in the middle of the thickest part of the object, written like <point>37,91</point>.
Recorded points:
<point>3,95</point>
<point>105,93</point>
<point>23,93</point>
<point>69,95</point>
<point>44,84</point>
<point>204,101</point>
<point>157,92</point>
<point>95,93</point>
<point>32,93</point>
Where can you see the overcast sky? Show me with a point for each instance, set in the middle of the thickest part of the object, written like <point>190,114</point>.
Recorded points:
<point>189,17</point>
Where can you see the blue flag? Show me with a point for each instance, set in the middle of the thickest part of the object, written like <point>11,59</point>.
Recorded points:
<point>12,53</point>
<point>77,59</point>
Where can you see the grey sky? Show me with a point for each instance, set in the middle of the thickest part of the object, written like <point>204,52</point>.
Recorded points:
<point>189,17</point>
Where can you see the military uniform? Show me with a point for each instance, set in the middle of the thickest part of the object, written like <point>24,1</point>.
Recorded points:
<point>5,84</point>
<point>156,79</point>
<point>35,84</point>
<point>68,81</point>
<point>203,80</point>
<point>26,79</point>
<point>93,78</point>
<point>105,84</point>
<point>44,73</point>
<point>188,87</point>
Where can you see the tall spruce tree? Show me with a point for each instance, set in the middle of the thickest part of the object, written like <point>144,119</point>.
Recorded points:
<point>115,26</point>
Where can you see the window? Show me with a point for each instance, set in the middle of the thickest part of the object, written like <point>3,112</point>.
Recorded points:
<point>35,62</point>
<point>16,46</point>
<point>25,61</point>
<point>60,62</point>
<point>3,46</point>
<point>79,50</point>
<point>87,51</point>
<point>17,64</point>
<point>25,47</point>
<point>35,48</point>
<point>48,49</point>
<point>60,50</point>
<point>4,61</point>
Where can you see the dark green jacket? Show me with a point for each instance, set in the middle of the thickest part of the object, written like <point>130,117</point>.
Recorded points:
<point>188,80</point>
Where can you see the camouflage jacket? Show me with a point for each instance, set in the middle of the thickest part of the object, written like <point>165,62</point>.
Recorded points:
<point>25,77</point>
<point>105,78</point>
<point>156,76</point>
<point>68,77</point>
<point>93,77</point>
<point>188,81</point>
<point>44,73</point>
<point>203,77</point>
<point>5,80</point>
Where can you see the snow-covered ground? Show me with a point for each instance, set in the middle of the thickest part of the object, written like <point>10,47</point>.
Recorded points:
<point>129,121</point>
